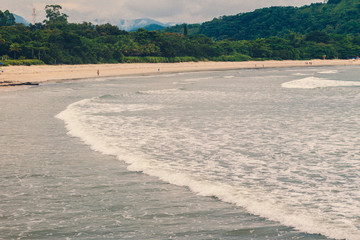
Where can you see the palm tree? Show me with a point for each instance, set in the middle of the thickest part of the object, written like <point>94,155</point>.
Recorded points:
<point>16,48</point>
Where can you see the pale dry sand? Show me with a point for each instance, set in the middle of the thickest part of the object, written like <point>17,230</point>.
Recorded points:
<point>59,73</point>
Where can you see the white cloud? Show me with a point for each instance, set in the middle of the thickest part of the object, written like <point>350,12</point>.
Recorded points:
<point>162,10</point>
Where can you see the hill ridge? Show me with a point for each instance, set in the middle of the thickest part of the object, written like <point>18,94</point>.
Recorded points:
<point>336,16</point>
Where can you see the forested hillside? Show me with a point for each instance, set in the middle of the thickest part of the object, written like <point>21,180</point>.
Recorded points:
<point>337,16</point>
<point>55,41</point>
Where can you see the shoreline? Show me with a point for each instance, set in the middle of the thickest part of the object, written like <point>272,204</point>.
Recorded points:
<point>38,74</point>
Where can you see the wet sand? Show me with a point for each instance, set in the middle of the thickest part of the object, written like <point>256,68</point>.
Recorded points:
<point>15,75</point>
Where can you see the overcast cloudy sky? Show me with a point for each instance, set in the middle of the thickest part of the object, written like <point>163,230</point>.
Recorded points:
<point>190,11</point>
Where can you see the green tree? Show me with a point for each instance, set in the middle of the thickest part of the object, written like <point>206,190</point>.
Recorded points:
<point>2,40</point>
<point>333,1</point>
<point>108,29</point>
<point>15,48</point>
<point>6,18</point>
<point>185,29</point>
<point>318,37</point>
<point>54,15</point>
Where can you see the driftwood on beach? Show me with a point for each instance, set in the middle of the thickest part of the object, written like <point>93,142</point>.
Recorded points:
<point>9,84</point>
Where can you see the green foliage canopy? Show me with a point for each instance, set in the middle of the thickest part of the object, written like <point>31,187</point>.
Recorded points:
<point>54,15</point>
<point>58,42</point>
<point>6,18</point>
<point>337,16</point>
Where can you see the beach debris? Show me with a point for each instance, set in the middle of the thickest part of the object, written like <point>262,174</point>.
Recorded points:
<point>11,84</point>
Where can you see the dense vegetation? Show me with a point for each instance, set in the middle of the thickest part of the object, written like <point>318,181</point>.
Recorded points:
<point>55,41</point>
<point>335,17</point>
<point>6,18</point>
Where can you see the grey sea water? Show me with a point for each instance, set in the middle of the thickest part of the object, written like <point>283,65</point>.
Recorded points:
<point>242,154</point>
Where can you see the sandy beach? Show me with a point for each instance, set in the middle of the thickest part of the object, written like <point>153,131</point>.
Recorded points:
<point>56,73</point>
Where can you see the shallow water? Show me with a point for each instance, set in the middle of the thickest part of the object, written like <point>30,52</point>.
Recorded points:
<point>249,154</point>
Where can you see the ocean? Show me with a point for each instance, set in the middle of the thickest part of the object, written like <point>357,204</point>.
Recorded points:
<point>240,154</point>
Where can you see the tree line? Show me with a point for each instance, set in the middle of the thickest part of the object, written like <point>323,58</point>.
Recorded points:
<point>56,41</point>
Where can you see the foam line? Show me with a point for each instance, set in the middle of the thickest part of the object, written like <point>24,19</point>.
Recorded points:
<point>314,82</point>
<point>79,119</point>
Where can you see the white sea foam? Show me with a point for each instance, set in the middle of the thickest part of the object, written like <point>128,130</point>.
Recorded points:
<point>162,91</point>
<point>329,72</point>
<point>212,168</point>
<point>228,77</point>
<point>302,74</point>
<point>314,82</point>
<point>197,79</point>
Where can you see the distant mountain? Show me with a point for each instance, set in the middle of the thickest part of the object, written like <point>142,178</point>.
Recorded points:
<point>154,27</point>
<point>19,19</point>
<point>133,25</point>
<point>335,16</point>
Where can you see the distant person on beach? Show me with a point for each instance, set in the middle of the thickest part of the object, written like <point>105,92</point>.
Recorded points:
<point>98,72</point>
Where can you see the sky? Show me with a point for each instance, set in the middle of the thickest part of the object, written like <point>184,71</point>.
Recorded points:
<point>166,11</point>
